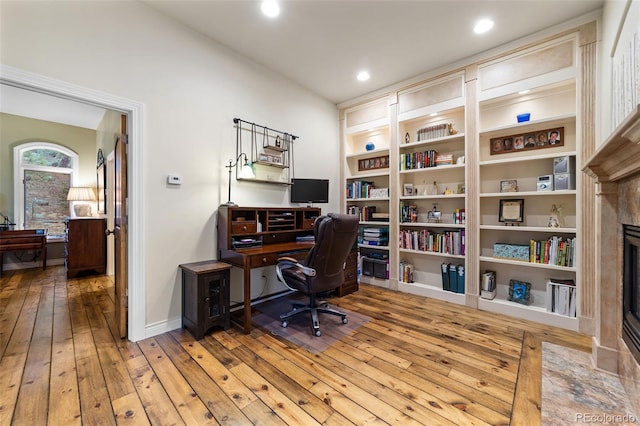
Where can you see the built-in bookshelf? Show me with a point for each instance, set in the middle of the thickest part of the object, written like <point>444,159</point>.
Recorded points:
<point>509,150</point>
<point>367,188</point>
<point>530,178</point>
<point>431,185</point>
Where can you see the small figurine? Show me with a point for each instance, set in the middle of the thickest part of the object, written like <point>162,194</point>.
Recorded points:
<point>452,131</point>
<point>407,138</point>
<point>554,216</point>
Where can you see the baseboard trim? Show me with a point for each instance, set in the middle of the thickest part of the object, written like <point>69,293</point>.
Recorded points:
<point>160,327</point>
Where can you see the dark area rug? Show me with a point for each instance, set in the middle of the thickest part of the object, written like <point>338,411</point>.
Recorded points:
<point>300,330</point>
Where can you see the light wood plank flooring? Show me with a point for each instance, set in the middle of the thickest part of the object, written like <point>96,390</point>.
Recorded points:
<point>417,361</point>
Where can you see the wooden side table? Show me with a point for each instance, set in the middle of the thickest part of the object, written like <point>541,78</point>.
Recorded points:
<point>205,296</point>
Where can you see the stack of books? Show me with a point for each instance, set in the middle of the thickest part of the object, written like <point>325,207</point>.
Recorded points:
<point>488,285</point>
<point>375,236</point>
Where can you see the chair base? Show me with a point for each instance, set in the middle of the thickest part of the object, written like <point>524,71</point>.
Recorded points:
<point>322,307</point>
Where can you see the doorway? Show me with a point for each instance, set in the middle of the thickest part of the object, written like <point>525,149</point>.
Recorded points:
<point>136,290</point>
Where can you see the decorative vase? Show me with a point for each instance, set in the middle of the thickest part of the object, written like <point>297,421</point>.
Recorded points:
<point>370,146</point>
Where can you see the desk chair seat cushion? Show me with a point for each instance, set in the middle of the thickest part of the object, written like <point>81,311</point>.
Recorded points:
<point>322,269</point>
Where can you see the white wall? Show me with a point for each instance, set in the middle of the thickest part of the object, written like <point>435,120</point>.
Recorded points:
<point>191,88</point>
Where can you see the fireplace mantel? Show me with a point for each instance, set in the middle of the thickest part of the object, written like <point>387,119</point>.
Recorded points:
<point>615,168</point>
<point>619,155</point>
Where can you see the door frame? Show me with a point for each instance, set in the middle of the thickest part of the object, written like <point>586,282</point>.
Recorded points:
<point>134,111</point>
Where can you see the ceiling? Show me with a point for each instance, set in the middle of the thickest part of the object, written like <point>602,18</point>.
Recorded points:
<point>322,44</point>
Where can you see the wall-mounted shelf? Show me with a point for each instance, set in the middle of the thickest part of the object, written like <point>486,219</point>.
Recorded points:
<point>270,152</point>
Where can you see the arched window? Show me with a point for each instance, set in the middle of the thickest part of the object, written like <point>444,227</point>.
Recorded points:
<point>43,174</point>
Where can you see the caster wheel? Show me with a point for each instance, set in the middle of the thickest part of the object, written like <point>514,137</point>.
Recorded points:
<point>345,320</point>
<point>284,324</point>
<point>318,333</point>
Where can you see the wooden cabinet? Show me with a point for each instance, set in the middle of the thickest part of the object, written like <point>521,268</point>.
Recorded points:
<point>350,284</point>
<point>85,246</point>
<point>205,296</point>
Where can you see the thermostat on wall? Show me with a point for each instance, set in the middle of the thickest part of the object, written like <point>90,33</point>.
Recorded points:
<point>174,180</point>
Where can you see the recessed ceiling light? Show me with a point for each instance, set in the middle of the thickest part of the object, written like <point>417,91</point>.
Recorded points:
<point>433,114</point>
<point>482,26</point>
<point>523,92</point>
<point>270,8</point>
<point>363,76</point>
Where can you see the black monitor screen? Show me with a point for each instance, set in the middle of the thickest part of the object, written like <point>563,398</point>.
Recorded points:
<point>310,191</point>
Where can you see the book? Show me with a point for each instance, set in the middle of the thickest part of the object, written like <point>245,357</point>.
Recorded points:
<point>453,278</point>
<point>445,276</point>
<point>460,279</point>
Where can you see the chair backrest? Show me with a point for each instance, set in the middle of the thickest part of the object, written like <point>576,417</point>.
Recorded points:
<point>334,238</point>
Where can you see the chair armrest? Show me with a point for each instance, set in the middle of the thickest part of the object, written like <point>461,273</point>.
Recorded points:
<point>289,262</point>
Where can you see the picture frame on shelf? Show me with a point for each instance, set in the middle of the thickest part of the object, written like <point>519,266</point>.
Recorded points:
<point>519,292</point>
<point>511,211</point>
<point>407,189</point>
<point>548,138</point>
<point>510,185</point>
<point>381,162</point>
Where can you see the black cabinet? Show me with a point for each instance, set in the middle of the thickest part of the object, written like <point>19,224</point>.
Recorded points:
<point>205,296</point>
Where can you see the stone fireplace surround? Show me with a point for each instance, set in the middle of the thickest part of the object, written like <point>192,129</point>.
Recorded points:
<point>616,170</point>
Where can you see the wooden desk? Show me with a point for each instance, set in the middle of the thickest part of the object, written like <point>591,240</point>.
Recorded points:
<point>27,239</point>
<point>238,226</point>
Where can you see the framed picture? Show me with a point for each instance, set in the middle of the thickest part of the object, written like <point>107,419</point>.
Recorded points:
<point>519,292</point>
<point>101,184</point>
<point>407,189</point>
<point>547,138</point>
<point>373,163</point>
<point>509,185</point>
<point>511,211</point>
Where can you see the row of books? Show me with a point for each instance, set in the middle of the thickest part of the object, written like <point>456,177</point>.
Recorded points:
<point>460,217</point>
<point>408,213</point>
<point>432,132</point>
<point>449,242</point>
<point>452,277</point>
<point>562,297</point>
<point>405,272</point>
<point>367,213</point>
<point>375,236</point>
<point>556,250</point>
<point>424,159</point>
<point>364,189</point>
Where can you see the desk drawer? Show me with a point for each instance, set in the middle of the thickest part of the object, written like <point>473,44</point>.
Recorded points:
<point>244,227</point>
<point>264,260</point>
<point>271,258</point>
<point>20,240</point>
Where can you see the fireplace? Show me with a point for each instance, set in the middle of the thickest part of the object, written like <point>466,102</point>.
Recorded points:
<point>631,290</point>
<point>616,169</point>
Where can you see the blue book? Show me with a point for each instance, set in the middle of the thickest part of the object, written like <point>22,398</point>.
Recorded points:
<point>453,278</point>
<point>460,279</point>
<point>445,276</point>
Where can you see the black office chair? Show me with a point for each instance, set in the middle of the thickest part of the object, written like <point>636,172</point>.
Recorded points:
<point>323,268</point>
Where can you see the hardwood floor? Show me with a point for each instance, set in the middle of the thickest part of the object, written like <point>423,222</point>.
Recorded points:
<point>417,361</point>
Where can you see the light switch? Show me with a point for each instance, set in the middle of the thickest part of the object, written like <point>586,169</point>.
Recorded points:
<point>174,180</point>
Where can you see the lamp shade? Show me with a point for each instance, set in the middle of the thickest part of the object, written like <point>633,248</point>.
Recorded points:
<point>78,193</point>
<point>246,172</point>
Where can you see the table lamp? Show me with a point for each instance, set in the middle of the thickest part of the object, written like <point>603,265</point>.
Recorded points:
<point>78,193</point>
